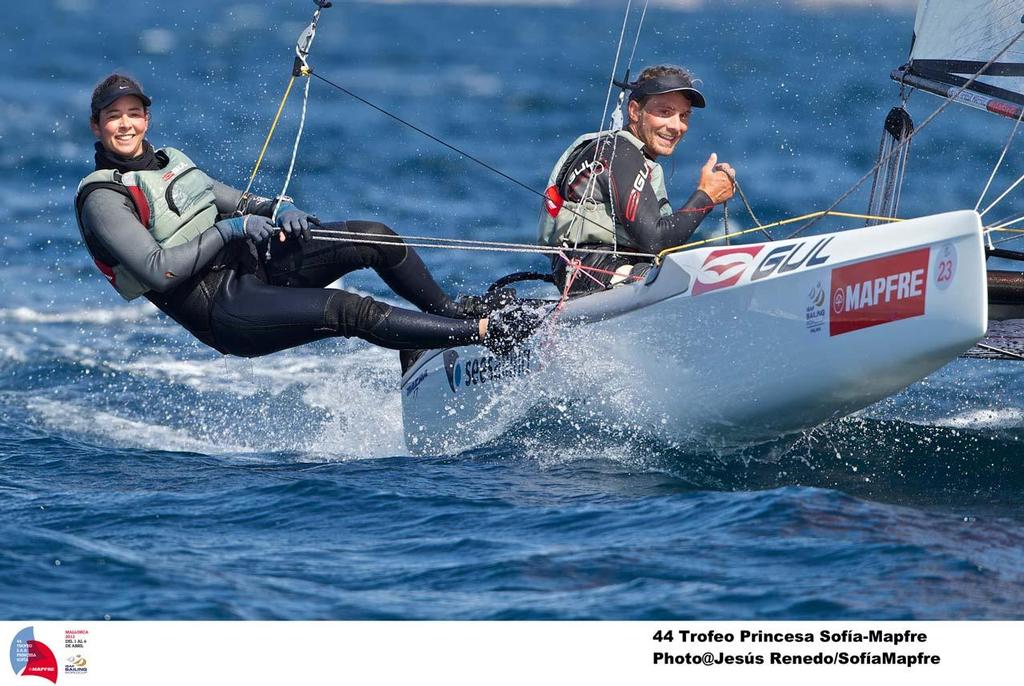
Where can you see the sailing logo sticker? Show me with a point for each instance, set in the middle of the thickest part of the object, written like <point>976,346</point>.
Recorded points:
<point>878,291</point>
<point>30,657</point>
<point>945,266</point>
<point>816,311</point>
<point>452,369</point>
<point>723,268</point>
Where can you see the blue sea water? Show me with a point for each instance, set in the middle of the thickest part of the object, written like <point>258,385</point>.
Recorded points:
<point>145,477</point>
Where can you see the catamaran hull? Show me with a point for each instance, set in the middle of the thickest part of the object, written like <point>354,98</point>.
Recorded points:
<point>1005,295</point>
<point>730,344</point>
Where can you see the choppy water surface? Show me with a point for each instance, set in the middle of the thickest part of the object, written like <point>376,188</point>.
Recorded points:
<point>145,477</point>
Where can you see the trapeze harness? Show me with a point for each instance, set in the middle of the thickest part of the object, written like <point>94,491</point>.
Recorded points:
<point>627,208</point>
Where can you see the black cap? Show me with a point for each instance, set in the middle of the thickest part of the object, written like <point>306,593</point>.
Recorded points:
<point>666,83</point>
<point>118,87</point>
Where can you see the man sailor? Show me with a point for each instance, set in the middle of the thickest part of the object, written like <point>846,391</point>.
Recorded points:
<point>606,190</point>
<point>157,226</point>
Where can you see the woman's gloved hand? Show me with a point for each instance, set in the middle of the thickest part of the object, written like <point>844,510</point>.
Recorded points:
<point>294,221</point>
<point>253,226</point>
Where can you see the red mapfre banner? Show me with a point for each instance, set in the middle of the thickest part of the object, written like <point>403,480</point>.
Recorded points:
<point>878,291</point>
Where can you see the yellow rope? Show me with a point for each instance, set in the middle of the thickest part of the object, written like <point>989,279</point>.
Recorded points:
<point>812,215</point>
<point>270,134</point>
<point>997,228</point>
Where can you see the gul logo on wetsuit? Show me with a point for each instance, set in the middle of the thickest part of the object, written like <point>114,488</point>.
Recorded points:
<point>879,291</point>
<point>724,267</point>
<point>633,203</point>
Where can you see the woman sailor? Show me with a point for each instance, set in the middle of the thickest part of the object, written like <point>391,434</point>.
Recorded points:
<point>157,226</point>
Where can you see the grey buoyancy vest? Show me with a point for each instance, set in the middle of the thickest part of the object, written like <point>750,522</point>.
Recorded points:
<point>595,221</point>
<point>175,204</point>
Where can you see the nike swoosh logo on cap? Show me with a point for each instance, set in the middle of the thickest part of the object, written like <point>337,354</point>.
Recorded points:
<point>122,88</point>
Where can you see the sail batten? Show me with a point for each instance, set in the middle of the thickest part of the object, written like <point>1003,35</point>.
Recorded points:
<point>955,39</point>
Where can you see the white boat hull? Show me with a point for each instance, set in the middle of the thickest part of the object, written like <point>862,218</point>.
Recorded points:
<point>732,343</point>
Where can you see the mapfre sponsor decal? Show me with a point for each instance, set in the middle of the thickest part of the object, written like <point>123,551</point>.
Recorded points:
<point>724,267</point>
<point>878,291</point>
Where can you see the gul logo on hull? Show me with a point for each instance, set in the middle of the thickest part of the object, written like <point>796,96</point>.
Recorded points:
<point>879,291</point>
<point>723,268</point>
<point>788,258</point>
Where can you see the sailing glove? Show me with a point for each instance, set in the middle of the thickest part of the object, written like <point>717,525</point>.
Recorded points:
<point>253,226</point>
<point>294,221</point>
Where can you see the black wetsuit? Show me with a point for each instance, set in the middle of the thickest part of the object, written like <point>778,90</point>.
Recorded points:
<point>232,299</point>
<point>647,230</point>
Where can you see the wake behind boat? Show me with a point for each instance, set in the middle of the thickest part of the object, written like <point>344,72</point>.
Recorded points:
<point>734,343</point>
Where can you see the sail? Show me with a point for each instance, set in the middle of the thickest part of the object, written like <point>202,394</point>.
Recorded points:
<point>954,39</point>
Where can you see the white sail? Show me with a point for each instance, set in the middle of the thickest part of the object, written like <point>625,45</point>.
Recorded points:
<point>954,39</point>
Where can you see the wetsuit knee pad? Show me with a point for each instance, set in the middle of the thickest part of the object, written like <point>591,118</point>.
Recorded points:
<point>351,315</point>
<point>394,253</point>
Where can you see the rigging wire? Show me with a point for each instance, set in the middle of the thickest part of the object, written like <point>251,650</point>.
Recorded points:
<point>949,99</point>
<point>521,184</point>
<point>1005,193</point>
<point>299,68</point>
<point>576,227</point>
<point>1015,237</point>
<point>339,235</point>
<point>429,135</point>
<point>1003,225</point>
<point>999,162</point>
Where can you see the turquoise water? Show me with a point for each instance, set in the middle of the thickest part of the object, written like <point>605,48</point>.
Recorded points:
<point>144,477</point>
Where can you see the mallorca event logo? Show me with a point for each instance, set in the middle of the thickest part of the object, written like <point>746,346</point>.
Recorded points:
<point>30,657</point>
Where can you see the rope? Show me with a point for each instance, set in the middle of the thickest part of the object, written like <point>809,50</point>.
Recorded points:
<point>812,215</point>
<point>295,152</point>
<point>413,244</point>
<point>895,150</point>
<point>750,210</point>
<point>301,53</point>
<point>993,244</point>
<point>725,220</point>
<point>576,227</point>
<point>454,242</point>
<point>291,165</point>
<point>266,141</point>
<point>992,348</point>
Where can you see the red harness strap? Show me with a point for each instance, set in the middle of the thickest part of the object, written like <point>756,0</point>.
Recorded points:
<point>141,204</point>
